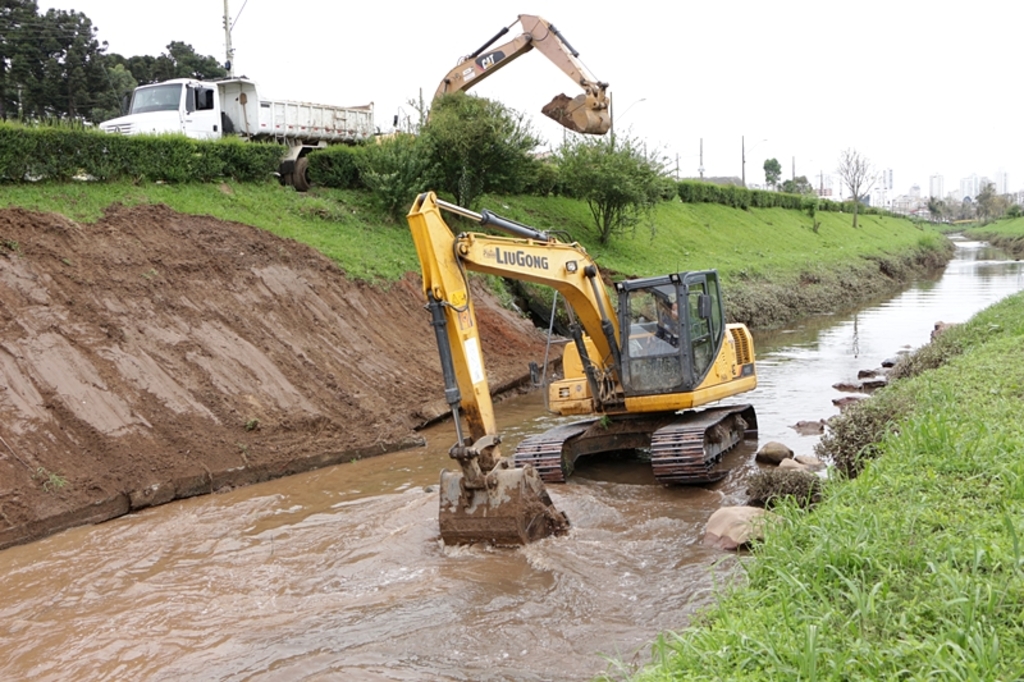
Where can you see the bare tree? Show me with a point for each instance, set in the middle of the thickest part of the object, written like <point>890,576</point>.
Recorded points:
<point>858,176</point>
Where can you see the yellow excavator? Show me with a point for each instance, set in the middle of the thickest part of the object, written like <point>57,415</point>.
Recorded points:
<point>585,113</point>
<point>637,375</point>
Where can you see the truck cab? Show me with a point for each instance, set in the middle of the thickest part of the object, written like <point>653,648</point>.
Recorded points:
<point>184,106</point>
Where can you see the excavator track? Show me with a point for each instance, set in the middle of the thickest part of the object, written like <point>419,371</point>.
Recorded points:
<point>544,451</point>
<point>685,448</point>
<point>690,452</point>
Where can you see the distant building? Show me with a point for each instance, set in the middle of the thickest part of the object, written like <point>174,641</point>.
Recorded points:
<point>970,186</point>
<point>1002,182</point>
<point>936,187</point>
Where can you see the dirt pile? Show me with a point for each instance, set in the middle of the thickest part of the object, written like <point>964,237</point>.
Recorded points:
<point>153,356</point>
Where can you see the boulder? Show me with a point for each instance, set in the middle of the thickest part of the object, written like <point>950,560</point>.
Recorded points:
<point>808,428</point>
<point>792,464</point>
<point>734,527</point>
<point>843,403</point>
<point>868,373</point>
<point>811,462</point>
<point>873,384</point>
<point>847,386</point>
<point>773,453</point>
<point>940,327</point>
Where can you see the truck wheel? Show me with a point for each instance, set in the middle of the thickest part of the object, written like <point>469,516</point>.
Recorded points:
<point>300,177</point>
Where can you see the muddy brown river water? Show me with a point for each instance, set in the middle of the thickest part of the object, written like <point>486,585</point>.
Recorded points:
<point>339,574</point>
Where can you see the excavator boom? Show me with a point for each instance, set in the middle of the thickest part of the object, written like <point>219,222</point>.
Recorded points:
<point>585,113</point>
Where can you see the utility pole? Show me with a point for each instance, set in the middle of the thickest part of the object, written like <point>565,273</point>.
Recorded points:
<point>743,155</point>
<point>229,51</point>
<point>701,169</point>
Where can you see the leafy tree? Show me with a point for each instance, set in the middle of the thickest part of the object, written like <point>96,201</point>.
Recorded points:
<point>50,65</point>
<point>989,204</point>
<point>772,172</point>
<point>18,51</point>
<point>616,178</point>
<point>181,61</point>
<point>475,146</point>
<point>109,103</point>
<point>798,185</point>
<point>937,207</point>
<point>858,175</point>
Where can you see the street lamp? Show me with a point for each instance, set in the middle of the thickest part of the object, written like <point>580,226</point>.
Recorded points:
<point>743,154</point>
<point>611,111</point>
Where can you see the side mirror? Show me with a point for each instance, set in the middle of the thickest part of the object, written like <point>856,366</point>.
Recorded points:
<point>704,306</point>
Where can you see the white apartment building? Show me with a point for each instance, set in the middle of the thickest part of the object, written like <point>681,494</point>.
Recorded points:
<point>970,186</point>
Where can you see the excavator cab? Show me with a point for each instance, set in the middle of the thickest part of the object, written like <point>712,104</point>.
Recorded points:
<point>672,329</point>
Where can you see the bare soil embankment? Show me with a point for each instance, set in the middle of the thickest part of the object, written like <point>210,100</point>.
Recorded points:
<point>154,356</point>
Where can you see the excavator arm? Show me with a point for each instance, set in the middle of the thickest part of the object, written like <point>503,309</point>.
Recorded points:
<point>585,113</point>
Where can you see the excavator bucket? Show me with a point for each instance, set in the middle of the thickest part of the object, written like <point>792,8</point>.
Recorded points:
<point>577,115</point>
<point>513,508</point>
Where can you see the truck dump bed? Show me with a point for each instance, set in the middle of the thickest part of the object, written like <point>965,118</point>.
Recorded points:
<point>315,122</point>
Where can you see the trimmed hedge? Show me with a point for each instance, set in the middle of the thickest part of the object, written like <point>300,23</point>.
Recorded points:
<point>60,154</point>
<point>696,192</point>
<point>336,166</point>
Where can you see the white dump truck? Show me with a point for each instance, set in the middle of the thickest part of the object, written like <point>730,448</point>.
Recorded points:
<point>231,107</point>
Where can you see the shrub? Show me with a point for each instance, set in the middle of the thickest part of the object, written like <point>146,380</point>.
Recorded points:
<point>544,180</point>
<point>853,436</point>
<point>767,488</point>
<point>394,170</point>
<point>476,146</point>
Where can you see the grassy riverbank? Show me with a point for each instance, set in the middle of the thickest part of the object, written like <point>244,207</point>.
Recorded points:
<point>913,570</point>
<point>754,250</point>
<point>1007,234</point>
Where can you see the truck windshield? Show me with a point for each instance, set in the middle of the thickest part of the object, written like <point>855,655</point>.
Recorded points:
<point>156,98</point>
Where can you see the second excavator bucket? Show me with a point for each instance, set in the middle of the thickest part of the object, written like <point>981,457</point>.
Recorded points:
<point>578,114</point>
<point>513,508</point>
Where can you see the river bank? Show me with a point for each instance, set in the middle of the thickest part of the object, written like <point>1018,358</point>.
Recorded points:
<point>153,355</point>
<point>913,568</point>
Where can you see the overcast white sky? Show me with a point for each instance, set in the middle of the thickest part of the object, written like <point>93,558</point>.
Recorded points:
<point>918,86</point>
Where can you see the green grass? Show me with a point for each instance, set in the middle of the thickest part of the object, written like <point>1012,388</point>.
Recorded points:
<point>339,224</point>
<point>913,570</point>
<point>769,243</point>
<point>1009,227</point>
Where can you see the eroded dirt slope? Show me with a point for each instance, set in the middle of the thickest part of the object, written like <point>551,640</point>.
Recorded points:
<point>154,355</point>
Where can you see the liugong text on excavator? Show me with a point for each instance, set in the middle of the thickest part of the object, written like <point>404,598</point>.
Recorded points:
<point>637,375</point>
